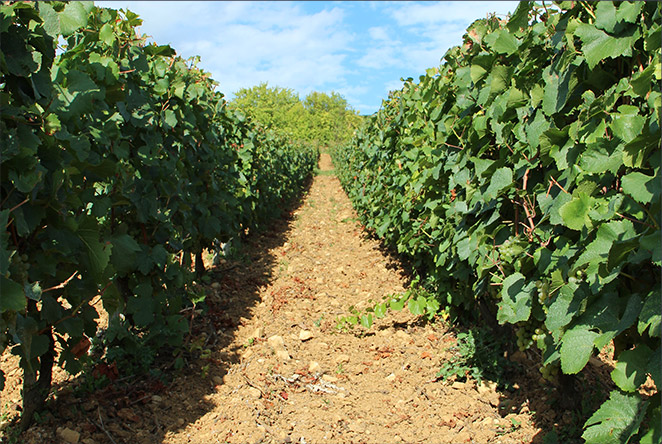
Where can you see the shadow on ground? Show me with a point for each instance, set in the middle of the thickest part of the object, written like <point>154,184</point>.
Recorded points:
<point>151,410</point>
<point>146,410</point>
<point>558,408</point>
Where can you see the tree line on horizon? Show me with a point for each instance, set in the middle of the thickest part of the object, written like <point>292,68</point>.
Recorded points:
<point>319,118</point>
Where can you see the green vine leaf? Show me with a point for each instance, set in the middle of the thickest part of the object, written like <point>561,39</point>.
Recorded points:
<point>627,123</point>
<point>531,141</point>
<point>564,308</point>
<point>98,253</point>
<point>598,45</point>
<point>4,237</point>
<point>641,187</point>
<point>13,297</point>
<point>654,366</point>
<point>650,317</point>
<point>616,421</point>
<point>576,349</point>
<point>654,433</point>
<point>575,213</point>
<point>123,253</point>
<point>631,368</point>
<point>502,42</point>
<point>120,161</point>
<point>51,19</point>
<point>417,305</point>
<point>32,291</point>
<point>520,18</point>
<point>74,16</point>
<point>516,303</point>
<point>502,178</point>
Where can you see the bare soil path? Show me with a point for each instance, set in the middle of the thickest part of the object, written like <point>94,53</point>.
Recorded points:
<point>273,368</point>
<point>322,385</point>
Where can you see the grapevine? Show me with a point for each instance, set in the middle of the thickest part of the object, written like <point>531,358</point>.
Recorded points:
<point>119,160</point>
<point>523,175</point>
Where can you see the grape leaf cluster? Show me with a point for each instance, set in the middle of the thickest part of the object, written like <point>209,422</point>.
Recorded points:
<point>119,161</point>
<point>522,176</point>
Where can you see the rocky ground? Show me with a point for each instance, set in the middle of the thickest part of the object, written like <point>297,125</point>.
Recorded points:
<point>272,367</point>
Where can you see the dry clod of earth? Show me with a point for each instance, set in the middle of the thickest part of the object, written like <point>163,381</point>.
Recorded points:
<point>308,382</point>
<point>68,435</point>
<point>305,335</point>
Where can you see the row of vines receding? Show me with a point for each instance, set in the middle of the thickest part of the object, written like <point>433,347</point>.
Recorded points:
<point>522,177</point>
<point>119,161</point>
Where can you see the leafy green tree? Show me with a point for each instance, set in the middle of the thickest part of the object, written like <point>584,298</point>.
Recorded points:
<point>275,108</point>
<point>320,118</point>
<point>331,120</point>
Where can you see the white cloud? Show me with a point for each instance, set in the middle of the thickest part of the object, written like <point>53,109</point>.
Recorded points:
<point>304,53</point>
<point>309,46</point>
<point>383,51</point>
<point>392,86</point>
<point>379,33</point>
<point>245,43</point>
<point>379,57</point>
<point>165,18</point>
<point>434,13</point>
<point>438,27</point>
<point>355,94</point>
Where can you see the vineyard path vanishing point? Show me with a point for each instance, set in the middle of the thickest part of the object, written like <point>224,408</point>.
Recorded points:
<point>295,378</point>
<point>272,367</point>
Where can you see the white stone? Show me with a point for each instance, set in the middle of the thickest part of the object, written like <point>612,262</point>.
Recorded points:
<point>258,333</point>
<point>342,358</point>
<point>276,342</point>
<point>283,355</point>
<point>68,435</point>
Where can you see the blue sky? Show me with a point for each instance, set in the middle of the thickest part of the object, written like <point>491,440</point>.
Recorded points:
<point>358,49</point>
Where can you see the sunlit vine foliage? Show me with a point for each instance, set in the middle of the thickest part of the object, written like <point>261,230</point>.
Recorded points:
<point>522,177</point>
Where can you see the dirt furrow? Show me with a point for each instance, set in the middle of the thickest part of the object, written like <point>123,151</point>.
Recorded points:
<point>267,363</point>
<point>298,379</point>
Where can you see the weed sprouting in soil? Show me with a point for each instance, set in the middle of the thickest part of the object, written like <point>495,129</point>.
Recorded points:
<point>476,355</point>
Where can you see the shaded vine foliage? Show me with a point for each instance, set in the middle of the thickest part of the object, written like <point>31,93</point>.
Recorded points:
<point>523,176</point>
<point>118,161</point>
